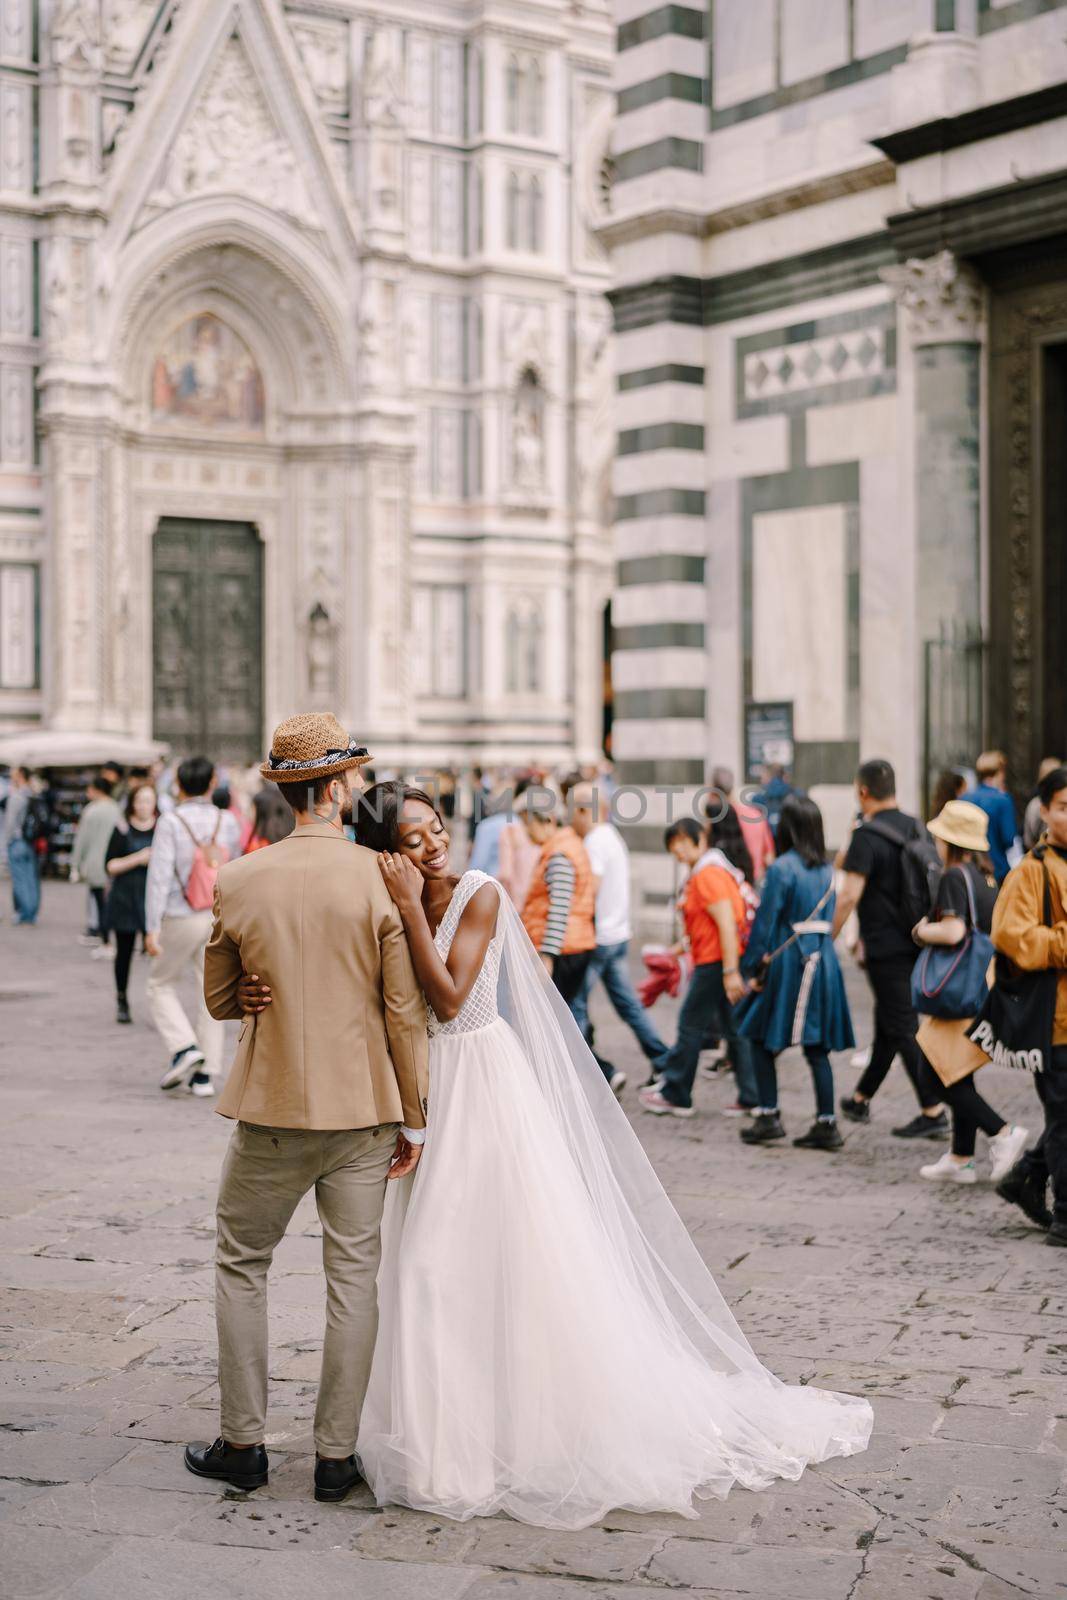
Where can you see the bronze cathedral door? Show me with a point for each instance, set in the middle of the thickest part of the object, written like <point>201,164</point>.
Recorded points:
<point>207,639</point>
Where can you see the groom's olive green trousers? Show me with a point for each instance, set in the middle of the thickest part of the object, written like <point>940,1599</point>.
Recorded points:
<point>267,1172</point>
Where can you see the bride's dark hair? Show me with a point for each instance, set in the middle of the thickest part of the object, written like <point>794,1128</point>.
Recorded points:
<point>376,813</point>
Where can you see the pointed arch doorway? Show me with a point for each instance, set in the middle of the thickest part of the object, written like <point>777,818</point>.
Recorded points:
<point>207,639</point>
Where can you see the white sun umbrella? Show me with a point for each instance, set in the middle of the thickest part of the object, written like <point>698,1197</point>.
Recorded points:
<point>55,747</point>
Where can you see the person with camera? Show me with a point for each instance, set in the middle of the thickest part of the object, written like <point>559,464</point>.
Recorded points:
<point>796,990</point>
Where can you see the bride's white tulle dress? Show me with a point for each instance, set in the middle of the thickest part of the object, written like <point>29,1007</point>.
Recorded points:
<point>551,1344</point>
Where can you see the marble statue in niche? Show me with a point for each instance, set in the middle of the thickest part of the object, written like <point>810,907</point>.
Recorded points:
<point>321,653</point>
<point>528,435</point>
<point>205,374</point>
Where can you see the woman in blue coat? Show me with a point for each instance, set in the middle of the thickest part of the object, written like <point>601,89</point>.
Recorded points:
<point>798,995</point>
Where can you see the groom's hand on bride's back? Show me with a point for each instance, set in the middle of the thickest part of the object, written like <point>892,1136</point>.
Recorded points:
<point>252,993</point>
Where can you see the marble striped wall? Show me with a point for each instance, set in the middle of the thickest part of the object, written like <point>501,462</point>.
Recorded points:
<point>659,659</point>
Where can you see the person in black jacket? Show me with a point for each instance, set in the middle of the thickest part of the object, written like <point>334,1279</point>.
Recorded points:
<point>874,885</point>
<point>127,867</point>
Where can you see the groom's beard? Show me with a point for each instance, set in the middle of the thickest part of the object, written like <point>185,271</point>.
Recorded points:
<point>346,812</point>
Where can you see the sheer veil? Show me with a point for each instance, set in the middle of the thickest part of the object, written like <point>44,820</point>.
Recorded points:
<point>651,1241</point>
<point>633,1208</point>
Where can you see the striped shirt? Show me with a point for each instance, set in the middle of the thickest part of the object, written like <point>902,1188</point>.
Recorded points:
<point>560,877</point>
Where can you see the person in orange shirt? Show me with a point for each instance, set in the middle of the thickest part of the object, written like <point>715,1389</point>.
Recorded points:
<point>714,917</point>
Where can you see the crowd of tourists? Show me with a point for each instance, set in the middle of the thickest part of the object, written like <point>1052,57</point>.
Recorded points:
<point>959,925</point>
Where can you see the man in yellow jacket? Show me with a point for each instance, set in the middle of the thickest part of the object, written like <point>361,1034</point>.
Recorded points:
<point>1020,931</point>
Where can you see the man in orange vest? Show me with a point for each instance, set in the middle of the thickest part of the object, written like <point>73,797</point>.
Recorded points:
<point>560,907</point>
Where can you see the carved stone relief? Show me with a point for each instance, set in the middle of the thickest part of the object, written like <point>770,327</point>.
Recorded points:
<point>382,79</point>
<point>74,35</point>
<point>524,336</point>
<point>126,24</point>
<point>323,46</point>
<point>16,31</point>
<point>16,415</point>
<point>381,351</point>
<point>232,145</point>
<point>16,311</point>
<point>1026,325</point>
<point>593,170</point>
<point>942,298</point>
<point>15,141</point>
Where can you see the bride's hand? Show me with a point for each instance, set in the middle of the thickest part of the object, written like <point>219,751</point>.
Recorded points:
<point>403,880</point>
<point>252,994</point>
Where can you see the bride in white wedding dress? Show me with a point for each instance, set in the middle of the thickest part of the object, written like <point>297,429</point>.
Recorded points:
<point>551,1344</point>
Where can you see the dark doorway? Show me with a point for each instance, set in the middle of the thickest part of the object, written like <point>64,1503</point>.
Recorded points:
<point>1052,729</point>
<point>1027,672</point>
<point>207,639</point>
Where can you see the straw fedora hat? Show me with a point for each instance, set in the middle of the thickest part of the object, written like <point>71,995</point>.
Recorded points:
<point>312,745</point>
<point>964,825</point>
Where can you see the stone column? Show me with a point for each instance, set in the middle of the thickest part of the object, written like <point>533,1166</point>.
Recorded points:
<point>943,308</point>
<point>73,403</point>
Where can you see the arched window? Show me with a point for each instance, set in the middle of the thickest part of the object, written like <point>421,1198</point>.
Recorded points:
<point>535,216</point>
<point>514,206</point>
<point>532,652</point>
<point>512,651</point>
<point>514,95</point>
<point>535,90</point>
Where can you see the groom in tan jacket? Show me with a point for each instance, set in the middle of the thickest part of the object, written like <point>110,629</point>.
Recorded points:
<point>328,1089</point>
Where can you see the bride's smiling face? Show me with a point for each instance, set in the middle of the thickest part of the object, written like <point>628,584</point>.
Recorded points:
<point>422,837</point>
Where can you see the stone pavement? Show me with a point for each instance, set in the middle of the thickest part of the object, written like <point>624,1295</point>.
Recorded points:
<point>944,1307</point>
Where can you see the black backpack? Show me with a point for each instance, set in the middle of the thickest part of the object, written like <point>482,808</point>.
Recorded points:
<point>35,821</point>
<point>920,871</point>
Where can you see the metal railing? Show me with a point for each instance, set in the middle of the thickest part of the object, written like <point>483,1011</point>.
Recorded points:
<point>953,701</point>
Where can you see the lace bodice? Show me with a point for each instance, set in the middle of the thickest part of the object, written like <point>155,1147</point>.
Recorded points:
<point>480,1007</point>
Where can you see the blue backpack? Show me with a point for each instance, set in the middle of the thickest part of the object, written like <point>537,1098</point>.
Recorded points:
<point>949,981</point>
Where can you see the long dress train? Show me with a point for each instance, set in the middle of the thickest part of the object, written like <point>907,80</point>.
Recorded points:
<point>551,1344</point>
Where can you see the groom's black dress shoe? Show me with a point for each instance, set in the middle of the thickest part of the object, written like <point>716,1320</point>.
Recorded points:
<point>333,1479</point>
<point>245,1469</point>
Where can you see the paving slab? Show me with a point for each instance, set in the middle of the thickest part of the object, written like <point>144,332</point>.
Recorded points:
<point>175,1569</point>
<point>945,1309</point>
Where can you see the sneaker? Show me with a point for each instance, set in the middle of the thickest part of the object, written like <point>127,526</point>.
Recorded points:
<point>618,1081</point>
<point>655,1082</point>
<point>653,1100</point>
<point>949,1171</point>
<point>922,1127</point>
<point>1005,1149</point>
<point>1030,1194</point>
<point>861,1060</point>
<point>123,1012</point>
<point>88,939</point>
<point>201,1085</point>
<point>183,1065</point>
<point>103,952</point>
<point>734,1109</point>
<point>855,1110</point>
<point>766,1127</point>
<point>822,1135</point>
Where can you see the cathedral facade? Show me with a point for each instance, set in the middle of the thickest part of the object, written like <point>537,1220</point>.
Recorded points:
<point>304,372</point>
